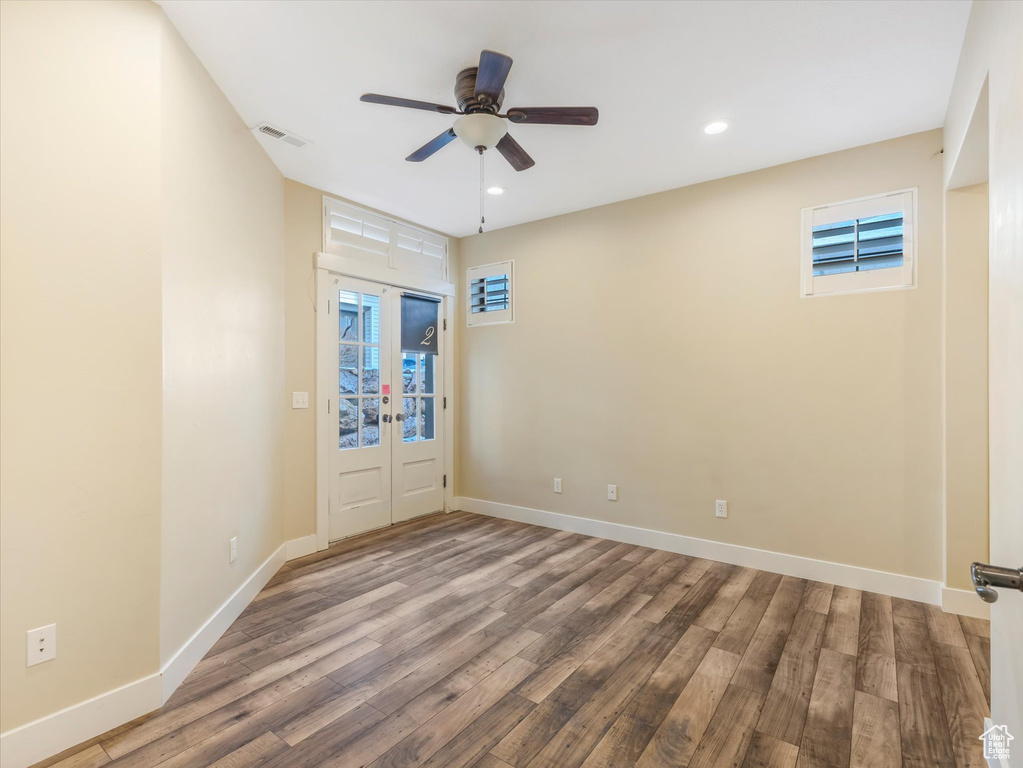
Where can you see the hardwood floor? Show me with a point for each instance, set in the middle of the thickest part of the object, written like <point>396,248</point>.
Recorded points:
<point>460,640</point>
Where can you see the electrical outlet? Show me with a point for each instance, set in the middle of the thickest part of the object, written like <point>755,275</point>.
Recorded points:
<point>720,508</point>
<point>42,644</point>
<point>234,549</point>
<point>299,399</point>
<point>612,493</point>
<point>557,485</point>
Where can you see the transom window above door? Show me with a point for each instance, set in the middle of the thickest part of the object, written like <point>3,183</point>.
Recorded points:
<point>359,234</point>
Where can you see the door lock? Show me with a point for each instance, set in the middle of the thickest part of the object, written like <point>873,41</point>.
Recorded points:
<point>986,577</point>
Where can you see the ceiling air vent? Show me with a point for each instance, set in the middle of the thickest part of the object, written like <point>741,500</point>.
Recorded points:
<point>278,133</point>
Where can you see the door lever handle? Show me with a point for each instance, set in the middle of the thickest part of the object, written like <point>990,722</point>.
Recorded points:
<point>986,577</point>
<point>387,418</point>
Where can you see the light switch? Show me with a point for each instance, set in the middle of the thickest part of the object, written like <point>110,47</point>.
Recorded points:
<point>299,399</point>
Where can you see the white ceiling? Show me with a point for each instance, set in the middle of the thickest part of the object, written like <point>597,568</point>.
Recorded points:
<point>796,78</point>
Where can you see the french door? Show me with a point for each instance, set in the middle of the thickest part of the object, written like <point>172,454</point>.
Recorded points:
<point>384,405</point>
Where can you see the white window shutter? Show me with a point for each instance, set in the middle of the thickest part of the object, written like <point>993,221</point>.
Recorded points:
<point>489,291</point>
<point>420,252</point>
<point>859,245</point>
<point>355,233</point>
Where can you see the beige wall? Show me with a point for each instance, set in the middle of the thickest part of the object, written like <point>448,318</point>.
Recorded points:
<point>303,226</point>
<point>80,332</point>
<point>223,348</point>
<point>143,348</point>
<point>303,237</point>
<point>966,382</point>
<point>661,344</point>
<point>991,53</point>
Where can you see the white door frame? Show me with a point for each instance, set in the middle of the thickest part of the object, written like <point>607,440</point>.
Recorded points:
<point>327,267</point>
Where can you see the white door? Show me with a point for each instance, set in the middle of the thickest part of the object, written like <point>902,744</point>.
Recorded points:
<point>417,476</point>
<point>360,445</point>
<point>384,402</point>
<point>1005,354</point>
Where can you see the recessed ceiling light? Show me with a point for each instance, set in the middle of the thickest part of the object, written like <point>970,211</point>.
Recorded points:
<point>495,190</point>
<point>715,126</point>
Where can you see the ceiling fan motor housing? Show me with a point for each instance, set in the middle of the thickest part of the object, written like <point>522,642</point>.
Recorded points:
<point>465,94</point>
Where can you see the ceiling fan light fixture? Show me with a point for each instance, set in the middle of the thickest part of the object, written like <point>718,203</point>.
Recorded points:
<point>715,127</point>
<point>479,92</point>
<point>480,130</point>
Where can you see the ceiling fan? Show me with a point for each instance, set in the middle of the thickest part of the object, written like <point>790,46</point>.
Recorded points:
<point>479,92</point>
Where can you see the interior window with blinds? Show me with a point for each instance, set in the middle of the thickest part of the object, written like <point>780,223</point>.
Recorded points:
<point>489,294</point>
<point>859,245</point>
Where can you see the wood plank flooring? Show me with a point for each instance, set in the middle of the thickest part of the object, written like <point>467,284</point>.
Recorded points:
<point>460,640</point>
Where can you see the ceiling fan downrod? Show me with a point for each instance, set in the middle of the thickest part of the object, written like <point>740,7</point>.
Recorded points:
<point>482,188</point>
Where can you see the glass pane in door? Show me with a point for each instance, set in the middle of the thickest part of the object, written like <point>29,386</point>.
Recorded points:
<point>348,315</point>
<point>420,319</point>
<point>426,374</point>
<point>348,374</point>
<point>409,378</point>
<point>370,422</point>
<point>408,426</point>
<point>370,318</point>
<point>359,369</point>
<point>348,422</point>
<point>370,370</point>
<point>426,418</point>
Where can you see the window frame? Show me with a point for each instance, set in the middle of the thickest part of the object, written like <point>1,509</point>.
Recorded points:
<point>886,279</point>
<point>390,253</point>
<point>501,316</point>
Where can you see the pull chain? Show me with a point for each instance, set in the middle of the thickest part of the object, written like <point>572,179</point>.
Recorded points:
<point>482,219</point>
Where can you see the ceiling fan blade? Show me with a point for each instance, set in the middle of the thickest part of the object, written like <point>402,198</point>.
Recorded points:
<point>490,76</point>
<point>432,146</point>
<point>554,115</point>
<point>514,153</point>
<point>394,101</point>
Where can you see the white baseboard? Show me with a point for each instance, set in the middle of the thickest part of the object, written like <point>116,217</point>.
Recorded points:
<point>35,741</point>
<point>964,602</point>
<point>301,547</point>
<point>882,582</point>
<point>183,661</point>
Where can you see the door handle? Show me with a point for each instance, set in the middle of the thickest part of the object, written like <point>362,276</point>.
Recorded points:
<point>387,418</point>
<point>986,577</point>
<point>399,417</point>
